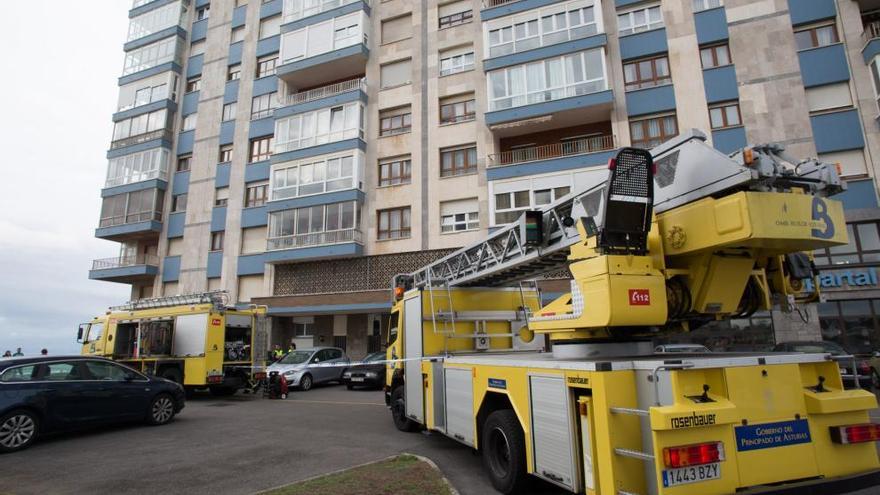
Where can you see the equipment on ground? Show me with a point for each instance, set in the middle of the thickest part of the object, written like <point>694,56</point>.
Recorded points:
<point>666,241</point>
<point>196,340</point>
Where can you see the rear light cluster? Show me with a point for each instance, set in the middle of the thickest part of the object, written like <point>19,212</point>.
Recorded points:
<point>215,378</point>
<point>868,432</point>
<point>260,375</point>
<point>693,455</point>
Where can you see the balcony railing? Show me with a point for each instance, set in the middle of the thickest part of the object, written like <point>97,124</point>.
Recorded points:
<point>315,239</point>
<point>159,173</point>
<point>872,30</point>
<point>326,91</point>
<point>549,151</point>
<point>297,9</point>
<point>130,218</point>
<point>141,138</point>
<point>123,261</point>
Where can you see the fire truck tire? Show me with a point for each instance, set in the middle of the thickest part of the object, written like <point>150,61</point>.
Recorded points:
<point>504,451</point>
<point>398,412</point>
<point>172,374</point>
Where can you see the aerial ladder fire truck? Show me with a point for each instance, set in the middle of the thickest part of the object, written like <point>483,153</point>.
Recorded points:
<point>662,241</point>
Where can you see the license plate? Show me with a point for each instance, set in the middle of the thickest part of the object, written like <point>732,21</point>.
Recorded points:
<point>691,474</point>
<point>357,379</point>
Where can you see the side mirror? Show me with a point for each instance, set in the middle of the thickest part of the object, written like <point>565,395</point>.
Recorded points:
<point>79,334</point>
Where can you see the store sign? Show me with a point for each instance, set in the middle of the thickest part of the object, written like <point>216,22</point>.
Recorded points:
<point>846,279</point>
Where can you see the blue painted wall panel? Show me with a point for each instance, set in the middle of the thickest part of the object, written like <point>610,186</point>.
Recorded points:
<point>257,171</point>
<point>318,252</point>
<point>194,66</point>
<point>261,127</point>
<point>199,30</point>
<point>265,85</point>
<point>339,99</point>
<point>202,3</point>
<point>227,132</point>
<point>239,16</point>
<point>326,15</point>
<point>651,100</point>
<point>729,140</point>
<point>322,149</point>
<point>871,50</point>
<point>268,9</point>
<point>807,11</point>
<point>221,177</point>
<point>547,166</point>
<point>251,264</point>
<point>123,274</point>
<point>148,145</point>
<point>215,264</point>
<point>137,76</point>
<point>190,103</point>
<point>152,38</point>
<point>127,229</point>
<point>218,219</point>
<point>545,52</point>
<point>624,3</point>
<point>176,222</point>
<point>838,131</point>
<point>235,53</point>
<point>137,186</point>
<point>711,26</point>
<point>825,65</point>
<point>168,105</point>
<point>230,94</point>
<point>720,84</point>
<point>180,183</point>
<point>317,199</point>
<point>858,195</point>
<point>268,46</point>
<point>185,142</point>
<point>513,8</point>
<point>643,44</point>
<point>254,217</point>
<point>600,99</point>
<point>171,269</point>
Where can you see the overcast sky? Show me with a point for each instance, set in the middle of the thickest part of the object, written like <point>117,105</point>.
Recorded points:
<point>60,90</point>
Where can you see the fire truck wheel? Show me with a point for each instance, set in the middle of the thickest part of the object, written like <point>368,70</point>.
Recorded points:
<point>398,412</point>
<point>161,410</point>
<point>504,452</point>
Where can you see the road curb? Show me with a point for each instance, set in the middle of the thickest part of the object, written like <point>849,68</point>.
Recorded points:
<point>431,463</point>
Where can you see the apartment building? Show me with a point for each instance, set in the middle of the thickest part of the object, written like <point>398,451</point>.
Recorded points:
<point>299,153</point>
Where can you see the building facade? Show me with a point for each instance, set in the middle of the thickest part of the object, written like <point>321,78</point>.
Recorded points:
<point>299,153</point>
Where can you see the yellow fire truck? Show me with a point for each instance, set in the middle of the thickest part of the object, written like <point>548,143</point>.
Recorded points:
<point>195,340</point>
<point>663,242</point>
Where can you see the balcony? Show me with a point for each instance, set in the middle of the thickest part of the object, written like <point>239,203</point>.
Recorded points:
<point>125,269</point>
<point>295,10</point>
<point>315,239</point>
<point>551,151</point>
<point>871,40</point>
<point>141,138</point>
<point>160,174</point>
<point>326,92</point>
<point>130,226</point>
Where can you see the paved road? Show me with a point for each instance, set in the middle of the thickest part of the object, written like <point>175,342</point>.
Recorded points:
<point>237,445</point>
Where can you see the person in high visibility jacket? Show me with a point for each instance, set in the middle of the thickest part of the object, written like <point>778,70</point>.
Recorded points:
<point>277,353</point>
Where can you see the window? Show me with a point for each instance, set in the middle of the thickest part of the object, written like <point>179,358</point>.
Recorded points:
<point>302,329</point>
<point>197,48</point>
<point>323,37</point>
<point>147,123</point>
<point>237,35</point>
<point>183,163</point>
<point>229,111</point>
<point>459,216</point>
<point>639,20</point>
<point>150,56</point>
<point>649,132</point>
<point>225,153</point>
<point>262,106</point>
<point>149,94</point>
<point>399,28</point>
<point>458,161</point>
<point>560,24</point>
<point>395,74</point>
<point>456,19</point>
<point>154,21</point>
<point>315,176</point>
<point>19,374</point>
<point>875,79</point>
<point>61,371</point>
<point>178,203</point>
<point>816,36</point>
<point>394,223</point>
<point>221,196</point>
<point>395,121</point>
<point>700,5</point>
<point>190,122</point>
<point>270,27</point>
<point>135,167</point>
<point>137,206</point>
<point>261,149</point>
<point>321,126</point>
<point>233,72</point>
<point>715,56</point>
<point>547,80</point>
<point>725,115</point>
<point>456,63</point>
<point>217,241</point>
<point>395,171</point>
<point>646,73</point>
<point>104,371</point>
<point>256,194</point>
<point>266,66</point>
<point>863,247</point>
<point>458,109</point>
<point>314,225</point>
<point>203,12</point>
<point>510,205</point>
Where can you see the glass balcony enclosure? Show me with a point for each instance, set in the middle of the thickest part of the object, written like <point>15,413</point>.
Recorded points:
<point>140,128</point>
<point>152,55</point>
<point>553,24</point>
<point>323,37</point>
<point>173,14</point>
<point>328,173</point>
<point>137,167</point>
<point>132,207</point>
<point>314,226</point>
<point>298,9</point>
<point>325,125</point>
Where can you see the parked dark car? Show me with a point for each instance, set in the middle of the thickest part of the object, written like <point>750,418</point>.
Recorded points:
<point>366,375</point>
<point>44,395</point>
<point>863,367</point>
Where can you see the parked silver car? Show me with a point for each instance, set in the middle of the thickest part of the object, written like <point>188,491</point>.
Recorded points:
<point>304,368</point>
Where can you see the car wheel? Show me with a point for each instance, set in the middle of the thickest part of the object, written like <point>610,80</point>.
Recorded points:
<point>504,453</point>
<point>161,410</point>
<point>398,412</point>
<point>305,383</point>
<point>18,430</point>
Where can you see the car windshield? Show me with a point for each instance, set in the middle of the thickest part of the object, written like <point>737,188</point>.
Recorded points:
<point>376,356</point>
<point>812,347</point>
<point>296,357</point>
